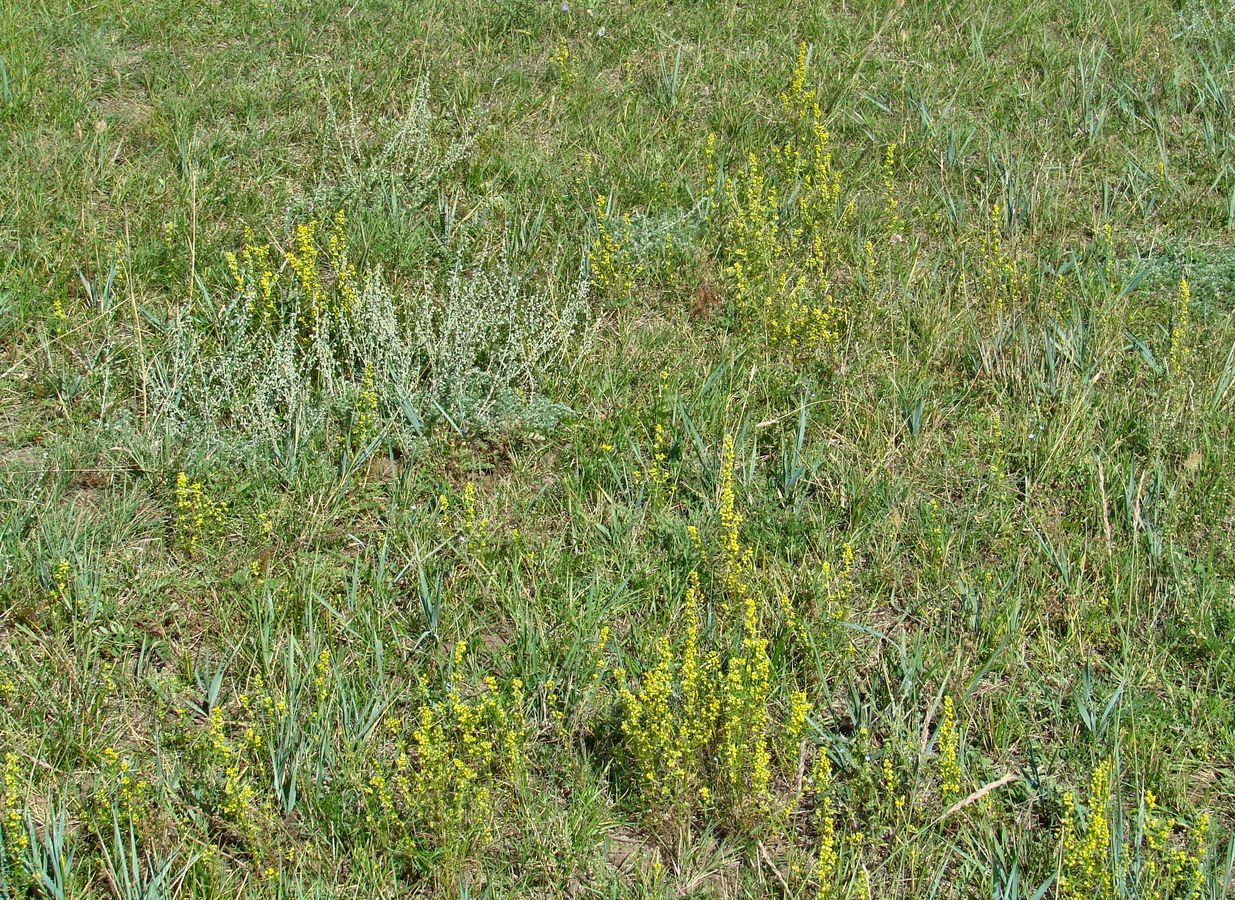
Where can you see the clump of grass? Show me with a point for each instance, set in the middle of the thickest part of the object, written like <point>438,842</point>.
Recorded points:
<point>836,666</point>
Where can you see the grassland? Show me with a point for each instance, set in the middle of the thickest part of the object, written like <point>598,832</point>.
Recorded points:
<point>514,448</point>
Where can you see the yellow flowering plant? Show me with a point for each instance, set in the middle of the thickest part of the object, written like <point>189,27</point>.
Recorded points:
<point>438,773</point>
<point>782,258</point>
<point>697,722</point>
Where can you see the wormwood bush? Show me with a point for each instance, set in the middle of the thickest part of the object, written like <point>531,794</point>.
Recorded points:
<point>309,345</point>
<point>386,165</point>
<point>485,343</point>
<point>303,342</point>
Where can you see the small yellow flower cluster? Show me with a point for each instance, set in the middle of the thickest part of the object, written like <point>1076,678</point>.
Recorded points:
<point>1172,871</point>
<point>893,224</point>
<point>827,862</point>
<point>997,467</point>
<point>253,725</point>
<point>656,473</point>
<point>216,740</point>
<point>838,584</point>
<point>698,708</point>
<point>474,527</point>
<point>819,201</point>
<point>1001,278</point>
<point>565,64</point>
<point>59,593</point>
<point>59,319</point>
<point>598,653</point>
<point>891,785</point>
<point>612,269</point>
<point>666,730</point>
<point>1181,319</point>
<point>949,754</point>
<point>744,709</point>
<point>734,561</point>
<point>232,767</point>
<point>779,267</point>
<point>709,169</point>
<point>1094,863</point>
<point>791,620</point>
<point>120,264</point>
<point>696,724</point>
<point>265,525</point>
<point>237,805</point>
<point>553,705</point>
<point>364,418</point>
<point>255,279</point>
<point>119,792</point>
<point>322,676</point>
<point>649,727</point>
<point>339,258</point>
<point>467,524</point>
<point>754,227</point>
<point>303,261</point>
<point>11,814</point>
<point>1087,867</point>
<point>795,724</point>
<point>798,99</point>
<point>197,516</point>
<point>326,283</point>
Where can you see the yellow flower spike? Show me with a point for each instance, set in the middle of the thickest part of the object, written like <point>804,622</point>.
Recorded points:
<point>949,754</point>
<point>893,223</point>
<point>799,708</point>
<point>827,859</point>
<point>611,267</point>
<point>1086,868</point>
<point>1180,323</point>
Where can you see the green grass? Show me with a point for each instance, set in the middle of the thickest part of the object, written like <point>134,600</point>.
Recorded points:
<point>1019,435</point>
